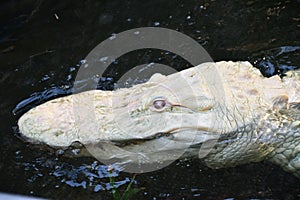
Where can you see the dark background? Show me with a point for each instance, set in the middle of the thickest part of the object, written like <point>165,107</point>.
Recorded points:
<point>43,42</point>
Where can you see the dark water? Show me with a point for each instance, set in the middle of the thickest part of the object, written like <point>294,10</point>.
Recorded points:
<point>42,44</point>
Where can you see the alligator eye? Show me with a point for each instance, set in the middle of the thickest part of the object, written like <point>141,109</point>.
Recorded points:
<point>159,104</point>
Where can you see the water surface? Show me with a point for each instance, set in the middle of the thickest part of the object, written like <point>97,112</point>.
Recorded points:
<point>42,44</point>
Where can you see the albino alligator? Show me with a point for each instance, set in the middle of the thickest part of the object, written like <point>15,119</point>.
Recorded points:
<point>245,116</point>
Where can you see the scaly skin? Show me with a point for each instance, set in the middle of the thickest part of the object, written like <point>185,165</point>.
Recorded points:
<point>229,106</point>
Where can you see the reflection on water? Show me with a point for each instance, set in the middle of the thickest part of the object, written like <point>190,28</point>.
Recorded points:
<point>42,44</point>
<point>277,60</point>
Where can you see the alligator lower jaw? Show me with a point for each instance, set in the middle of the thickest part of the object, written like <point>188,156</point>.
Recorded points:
<point>181,139</point>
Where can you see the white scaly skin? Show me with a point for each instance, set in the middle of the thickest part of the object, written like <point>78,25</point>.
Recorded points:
<point>251,118</point>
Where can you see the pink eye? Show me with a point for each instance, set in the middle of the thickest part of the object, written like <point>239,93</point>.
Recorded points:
<point>159,104</point>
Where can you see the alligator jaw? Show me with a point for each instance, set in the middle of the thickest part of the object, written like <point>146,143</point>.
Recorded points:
<point>55,123</point>
<point>138,112</point>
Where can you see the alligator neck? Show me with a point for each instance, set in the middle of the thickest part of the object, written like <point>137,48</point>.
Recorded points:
<point>287,151</point>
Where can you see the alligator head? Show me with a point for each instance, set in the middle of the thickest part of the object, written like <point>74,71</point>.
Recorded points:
<point>225,108</point>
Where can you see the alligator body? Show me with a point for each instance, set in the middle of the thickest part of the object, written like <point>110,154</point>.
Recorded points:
<point>227,109</point>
